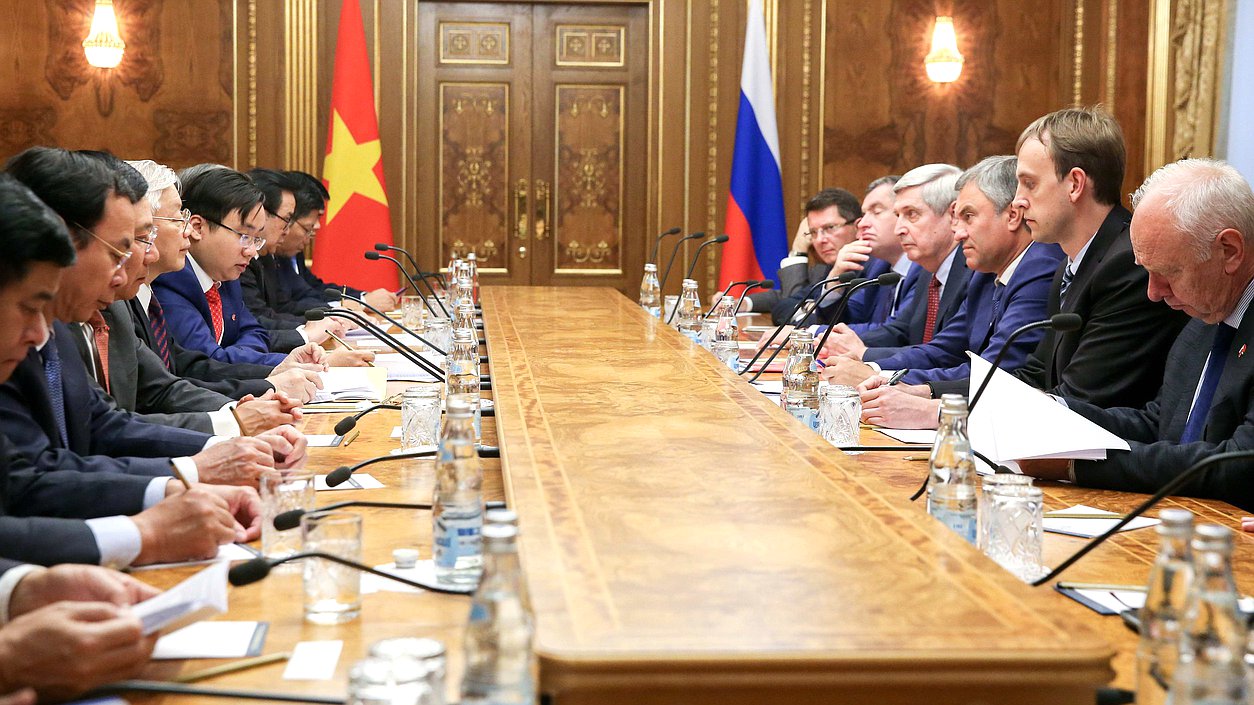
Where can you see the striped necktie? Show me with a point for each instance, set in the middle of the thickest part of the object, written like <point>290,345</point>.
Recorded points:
<point>56,391</point>
<point>933,308</point>
<point>214,297</point>
<point>160,333</point>
<point>100,335</point>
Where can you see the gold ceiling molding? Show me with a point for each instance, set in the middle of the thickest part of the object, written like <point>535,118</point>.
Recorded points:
<point>300,97</point>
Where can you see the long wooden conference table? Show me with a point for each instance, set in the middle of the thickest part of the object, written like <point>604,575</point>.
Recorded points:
<point>686,541</point>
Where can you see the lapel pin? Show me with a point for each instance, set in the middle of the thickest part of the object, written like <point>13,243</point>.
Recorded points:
<point>1241,352</point>
<point>232,317</point>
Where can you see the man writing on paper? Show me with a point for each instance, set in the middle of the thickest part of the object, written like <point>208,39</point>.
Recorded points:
<point>1193,232</point>
<point>1009,290</point>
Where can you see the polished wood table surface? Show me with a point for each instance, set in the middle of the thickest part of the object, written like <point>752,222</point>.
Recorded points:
<point>686,541</point>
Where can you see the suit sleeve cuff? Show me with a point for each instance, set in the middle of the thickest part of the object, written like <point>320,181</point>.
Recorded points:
<point>155,492</point>
<point>303,335</point>
<point>187,466</point>
<point>8,583</point>
<point>117,538</point>
<point>790,261</point>
<point>224,423</point>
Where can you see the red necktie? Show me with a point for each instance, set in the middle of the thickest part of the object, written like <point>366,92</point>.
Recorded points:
<point>215,310</point>
<point>933,307</point>
<point>101,330</point>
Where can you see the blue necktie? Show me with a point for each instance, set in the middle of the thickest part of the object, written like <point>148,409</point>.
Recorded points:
<point>56,392</point>
<point>1210,380</point>
<point>1067,276</point>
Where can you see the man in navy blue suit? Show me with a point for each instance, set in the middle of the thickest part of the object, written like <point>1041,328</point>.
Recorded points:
<point>1010,289</point>
<point>203,303</point>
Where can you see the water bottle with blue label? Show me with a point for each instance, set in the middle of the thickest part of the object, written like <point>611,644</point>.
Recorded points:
<point>951,497</point>
<point>457,506</point>
<point>688,314</point>
<point>650,291</point>
<point>800,395</point>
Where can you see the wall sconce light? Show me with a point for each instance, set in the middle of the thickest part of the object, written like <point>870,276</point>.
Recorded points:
<point>103,46</point>
<point>943,62</point>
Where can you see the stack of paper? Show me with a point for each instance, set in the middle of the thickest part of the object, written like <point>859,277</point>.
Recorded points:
<point>1014,421</point>
<point>1100,522</point>
<point>344,383</point>
<point>200,596</point>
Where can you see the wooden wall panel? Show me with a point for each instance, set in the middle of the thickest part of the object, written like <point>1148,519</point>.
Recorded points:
<point>172,97</point>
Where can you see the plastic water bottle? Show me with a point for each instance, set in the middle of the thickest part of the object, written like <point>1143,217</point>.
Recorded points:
<point>1211,670</point>
<point>500,660</point>
<point>472,264</point>
<point>650,292</point>
<point>726,327</point>
<point>462,377</point>
<point>951,497</point>
<point>1167,590</point>
<point>800,395</point>
<point>688,314</point>
<point>457,507</point>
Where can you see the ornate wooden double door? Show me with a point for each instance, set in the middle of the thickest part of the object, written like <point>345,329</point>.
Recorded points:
<point>532,139</point>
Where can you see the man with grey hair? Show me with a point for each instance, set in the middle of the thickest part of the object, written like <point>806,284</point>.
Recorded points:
<point>1009,290</point>
<point>1193,232</point>
<point>924,209</point>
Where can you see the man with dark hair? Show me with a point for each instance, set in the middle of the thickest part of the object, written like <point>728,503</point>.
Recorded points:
<point>1070,170</point>
<point>312,196</point>
<point>204,305</point>
<point>830,222</point>
<point>43,409</point>
<point>52,515</point>
<point>260,281</point>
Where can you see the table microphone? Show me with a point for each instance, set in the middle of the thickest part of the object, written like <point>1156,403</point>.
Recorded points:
<point>843,280</point>
<point>674,252</point>
<point>1176,483</point>
<point>718,239</point>
<point>249,572</point>
<point>885,279</point>
<point>317,314</point>
<point>346,424</point>
<point>291,518</point>
<point>658,242</point>
<point>376,256</point>
<point>340,295</point>
<point>385,247</point>
<point>748,282</point>
<point>764,285</point>
<point>340,475</point>
<point>1064,322</point>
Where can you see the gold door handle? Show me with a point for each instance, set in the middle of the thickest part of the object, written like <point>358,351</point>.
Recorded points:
<point>542,208</point>
<point>522,252</point>
<point>520,208</point>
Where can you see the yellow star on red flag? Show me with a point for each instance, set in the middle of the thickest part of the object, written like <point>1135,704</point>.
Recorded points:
<point>349,168</point>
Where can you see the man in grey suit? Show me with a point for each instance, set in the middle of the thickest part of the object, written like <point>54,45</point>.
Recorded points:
<point>1193,232</point>
<point>830,224</point>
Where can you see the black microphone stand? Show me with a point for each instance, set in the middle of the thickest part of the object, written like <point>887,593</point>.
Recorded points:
<point>661,284</point>
<point>765,285</point>
<point>375,256</point>
<point>658,243</point>
<point>256,569</point>
<point>751,282</point>
<point>317,314</point>
<point>885,279</point>
<point>393,321</point>
<point>846,279</point>
<point>720,239</point>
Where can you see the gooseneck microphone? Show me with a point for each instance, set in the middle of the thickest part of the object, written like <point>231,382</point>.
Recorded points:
<point>841,281</point>
<point>764,285</point>
<point>384,247</point>
<point>375,257</point>
<point>1062,322</point>
<point>748,282</point>
<point>384,316</point>
<point>346,424</point>
<point>1176,483</point>
<point>658,242</point>
<point>249,572</point>
<point>719,239</point>
<point>885,279</point>
<point>671,262</point>
<point>340,475</point>
<point>291,519</point>
<point>317,314</point>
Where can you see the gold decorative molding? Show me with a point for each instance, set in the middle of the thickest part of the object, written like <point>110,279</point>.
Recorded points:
<point>822,91</point>
<point>252,83</point>
<point>300,99</point>
<point>474,43</point>
<point>807,43</point>
<point>711,163</point>
<point>1197,33</point>
<point>1112,52</point>
<point>1077,56</point>
<point>590,45</point>
<point>1157,88</point>
<point>591,172</point>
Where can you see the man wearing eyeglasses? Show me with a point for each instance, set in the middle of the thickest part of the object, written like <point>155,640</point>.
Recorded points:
<point>830,223</point>
<point>297,377</point>
<point>203,302</point>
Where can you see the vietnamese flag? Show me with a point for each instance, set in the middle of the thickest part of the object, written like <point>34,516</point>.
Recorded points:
<point>357,213</point>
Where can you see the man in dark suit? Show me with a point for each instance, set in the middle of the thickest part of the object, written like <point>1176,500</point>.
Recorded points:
<point>296,377</point>
<point>62,515</point>
<point>1100,281</point>
<point>203,304</point>
<point>923,206</point>
<point>259,283</point>
<point>876,306</point>
<point>1193,232</point>
<point>54,417</point>
<point>831,215</point>
<point>1009,289</point>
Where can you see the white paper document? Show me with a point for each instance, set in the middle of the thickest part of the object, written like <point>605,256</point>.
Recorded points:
<point>313,661</point>
<point>200,596</point>
<point>356,481</point>
<point>398,368</point>
<point>1013,421</point>
<point>344,383</point>
<point>773,386</point>
<point>227,552</point>
<point>422,572</point>
<point>211,640</point>
<point>323,440</point>
<point>1098,525</point>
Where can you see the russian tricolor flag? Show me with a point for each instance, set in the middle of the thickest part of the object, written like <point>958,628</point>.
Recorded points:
<point>755,207</point>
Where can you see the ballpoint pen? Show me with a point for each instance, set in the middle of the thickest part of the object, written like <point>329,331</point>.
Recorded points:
<point>896,376</point>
